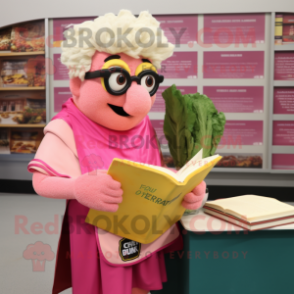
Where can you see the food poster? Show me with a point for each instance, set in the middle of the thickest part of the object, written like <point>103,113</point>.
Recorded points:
<point>23,73</point>
<point>283,133</point>
<point>159,104</point>
<point>13,74</point>
<point>36,71</point>
<point>284,66</point>
<point>235,99</point>
<point>181,65</point>
<point>284,100</point>
<point>239,29</point>
<point>179,29</point>
<point>62,24</point>
<point>239,133</point>
<point>240,160</point>
<point>17,107</point>
<point>233,65</point>
<point>5,40</point>
<point>25,140</point>
<point>283,161</point>
<point>26,37</point>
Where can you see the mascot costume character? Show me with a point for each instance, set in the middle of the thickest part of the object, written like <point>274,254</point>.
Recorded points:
<point>113,81</point>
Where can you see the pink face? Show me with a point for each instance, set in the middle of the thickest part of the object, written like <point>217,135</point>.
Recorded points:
<point>121,112</point>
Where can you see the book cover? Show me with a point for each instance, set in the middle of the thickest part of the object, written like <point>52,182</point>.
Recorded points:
<point>151,201</point>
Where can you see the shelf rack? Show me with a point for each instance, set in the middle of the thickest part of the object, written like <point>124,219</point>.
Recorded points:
<point>23,126</point>
<point>23,89</point>
<point>273,84</point>
<point>13,54</point>
<point>18,161</point>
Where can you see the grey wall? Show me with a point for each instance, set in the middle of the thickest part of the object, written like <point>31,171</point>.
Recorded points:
<point>14,11</point>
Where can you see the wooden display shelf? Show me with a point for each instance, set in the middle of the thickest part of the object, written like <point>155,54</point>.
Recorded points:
<point>23,126</point>
<point>22,89</point>
<point>11,54</point>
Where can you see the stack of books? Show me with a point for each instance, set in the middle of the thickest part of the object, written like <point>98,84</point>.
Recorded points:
<point>251,212</point>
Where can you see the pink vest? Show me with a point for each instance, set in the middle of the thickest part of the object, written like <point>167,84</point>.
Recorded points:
<point>94,147</point>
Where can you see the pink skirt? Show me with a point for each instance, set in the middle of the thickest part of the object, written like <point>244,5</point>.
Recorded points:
<point>93,275</point>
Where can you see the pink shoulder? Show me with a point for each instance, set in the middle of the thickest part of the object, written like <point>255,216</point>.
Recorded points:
<point>63,131</point>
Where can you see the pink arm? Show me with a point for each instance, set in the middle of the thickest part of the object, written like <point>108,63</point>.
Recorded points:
<point>95,190</point>
<point>53,187</point>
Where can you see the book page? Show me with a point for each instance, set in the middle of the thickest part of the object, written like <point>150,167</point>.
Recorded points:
<point>194,165</point>
<point>194,159</point>
<point>252,207</point>
<point>187,167</point>
<point>164,170</point>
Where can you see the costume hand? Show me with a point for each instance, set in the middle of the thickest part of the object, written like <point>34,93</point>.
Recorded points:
<point>193,200</point>
<point>98,190</point>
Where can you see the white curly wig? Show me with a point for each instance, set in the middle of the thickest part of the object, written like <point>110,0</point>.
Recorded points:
<point>77,57</point>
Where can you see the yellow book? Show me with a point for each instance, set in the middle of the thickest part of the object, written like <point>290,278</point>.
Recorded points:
<point>152,197</point>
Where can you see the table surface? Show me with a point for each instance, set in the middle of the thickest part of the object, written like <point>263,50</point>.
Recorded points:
<point>202,222</point>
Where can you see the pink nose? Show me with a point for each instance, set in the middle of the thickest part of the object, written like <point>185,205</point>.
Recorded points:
<point>138,100</point>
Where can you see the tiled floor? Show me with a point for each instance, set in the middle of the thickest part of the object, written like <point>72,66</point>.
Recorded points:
<point>16,272</point>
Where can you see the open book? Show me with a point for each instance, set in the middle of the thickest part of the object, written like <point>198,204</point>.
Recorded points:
<point>251,212</point>
<point>152,197</point>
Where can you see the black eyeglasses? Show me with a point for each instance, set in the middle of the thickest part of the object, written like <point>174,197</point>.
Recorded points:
<point>117,80</point>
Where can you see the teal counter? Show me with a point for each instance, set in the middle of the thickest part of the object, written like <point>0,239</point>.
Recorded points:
<point>220,258</point>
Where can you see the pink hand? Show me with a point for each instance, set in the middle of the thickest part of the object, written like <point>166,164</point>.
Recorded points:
<point>95,190</point>
<point>193,200</point>
<point>99,191</point>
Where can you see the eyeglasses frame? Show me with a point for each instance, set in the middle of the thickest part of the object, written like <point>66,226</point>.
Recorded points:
<point>106,73</point>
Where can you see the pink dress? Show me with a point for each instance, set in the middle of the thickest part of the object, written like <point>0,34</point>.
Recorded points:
<point>74,145</point>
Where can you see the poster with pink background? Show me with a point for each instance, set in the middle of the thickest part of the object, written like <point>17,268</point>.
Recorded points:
<point>61,95</point>
<point>229,99</point>
<point>239,132</point>
<point>227,29</point>
<point>233,65</point>
<point>62,24</point>
<point>61,71</point>
<point>284,101</point>
<point>284,66</point>
<point>179,29</point>
<point>283,133</point>
<point>288,31</point>
<point>288,18</point>
<point>159,104</point>
<point>283,161</point>
<point>181,65</point>
<point>158,127</point>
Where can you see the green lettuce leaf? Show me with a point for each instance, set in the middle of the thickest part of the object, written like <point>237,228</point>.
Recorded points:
<point>176,129</point>
<point>191,123</point>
